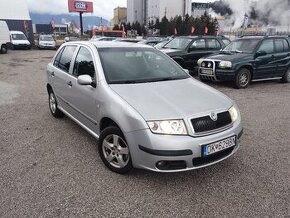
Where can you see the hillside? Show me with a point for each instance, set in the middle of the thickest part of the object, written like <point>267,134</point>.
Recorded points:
<point>88,21</point>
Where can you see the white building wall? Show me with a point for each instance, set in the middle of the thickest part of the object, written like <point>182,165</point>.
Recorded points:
<point>172,8</point>
<point>14,10</point>
<point>135,11</point>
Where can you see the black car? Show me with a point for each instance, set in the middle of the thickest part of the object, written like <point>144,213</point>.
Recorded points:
<point>187,50</point>
<point>249,59</point>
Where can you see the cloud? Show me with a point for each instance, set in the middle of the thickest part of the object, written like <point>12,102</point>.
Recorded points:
<point>101,8</point>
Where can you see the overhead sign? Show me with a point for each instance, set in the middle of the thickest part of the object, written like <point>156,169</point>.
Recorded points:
<point>80,6</point>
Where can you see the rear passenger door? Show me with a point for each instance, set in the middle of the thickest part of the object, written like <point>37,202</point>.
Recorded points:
<point>282,56</point>
<point>61,74</point>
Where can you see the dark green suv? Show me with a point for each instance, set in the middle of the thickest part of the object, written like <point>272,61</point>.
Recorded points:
<point>187,50</point>
<point>249,59</point>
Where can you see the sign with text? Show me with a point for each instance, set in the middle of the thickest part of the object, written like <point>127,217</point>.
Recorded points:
<point>80,6</point>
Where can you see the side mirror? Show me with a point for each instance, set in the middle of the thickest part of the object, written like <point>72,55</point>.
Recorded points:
<point>261,53</point>
<point>186,70</point>
<point>85,80</point>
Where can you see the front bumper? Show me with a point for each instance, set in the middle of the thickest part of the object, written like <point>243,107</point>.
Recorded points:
<point>21,46</point>
<point>147,149</point>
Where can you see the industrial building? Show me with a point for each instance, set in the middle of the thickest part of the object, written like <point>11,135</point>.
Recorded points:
<point>17,17</point>
<point>144,11</point>
<point>120,16</point>
<point>198,9</point>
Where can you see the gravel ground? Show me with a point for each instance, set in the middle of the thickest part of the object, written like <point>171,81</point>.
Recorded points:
<point>50,168</point>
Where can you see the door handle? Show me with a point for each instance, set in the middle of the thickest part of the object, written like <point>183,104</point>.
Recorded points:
<point>52,74</point>
<point>69,83</point>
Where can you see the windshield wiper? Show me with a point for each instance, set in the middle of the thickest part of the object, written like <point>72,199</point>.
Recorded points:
<point>237,51</point>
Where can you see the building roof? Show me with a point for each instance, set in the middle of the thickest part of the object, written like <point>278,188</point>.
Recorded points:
<point>14,10</point>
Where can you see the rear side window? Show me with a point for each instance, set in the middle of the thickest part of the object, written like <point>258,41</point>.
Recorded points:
<point>66,57</point>
<point>84,64</point>
<point>281,45</point>
<point>213,44</point>
<point>267,46</point>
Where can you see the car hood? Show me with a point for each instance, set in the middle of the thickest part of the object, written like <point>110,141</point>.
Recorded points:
<point>230,56</point>
<point>171,52</point>
<point>175,99</point>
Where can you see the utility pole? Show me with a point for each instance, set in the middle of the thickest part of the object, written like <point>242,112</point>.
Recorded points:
<point>81,23</point>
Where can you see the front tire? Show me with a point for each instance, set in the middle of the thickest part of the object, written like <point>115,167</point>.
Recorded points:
<point>286,77</point>
<point>53,106</point>
<point>242,79</point>
<point>114,150</point>
<point>3,49</point>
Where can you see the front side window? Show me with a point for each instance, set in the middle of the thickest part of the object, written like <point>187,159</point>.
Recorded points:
<point>198,44</point>
<point>178,43</point>
<point>267,46</point>
<point>66,57</point>
<point>135,65</point>
<point>84,64</point>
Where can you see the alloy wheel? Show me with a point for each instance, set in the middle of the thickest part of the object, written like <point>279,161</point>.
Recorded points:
<point>115,151</point>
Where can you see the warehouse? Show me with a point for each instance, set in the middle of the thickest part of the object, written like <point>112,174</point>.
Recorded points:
<point>17,17</point>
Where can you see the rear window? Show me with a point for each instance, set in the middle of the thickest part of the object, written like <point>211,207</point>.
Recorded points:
<point>66,57</point>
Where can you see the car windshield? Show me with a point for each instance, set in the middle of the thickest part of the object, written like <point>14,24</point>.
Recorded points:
<point>138,65</point>
<point>18,37</point>
<point>46,38</point>
<point>178,43</point>
<point>242,46</point>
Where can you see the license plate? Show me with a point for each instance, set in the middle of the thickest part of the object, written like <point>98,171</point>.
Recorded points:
<point>207,71</point>
<point>219,146</point>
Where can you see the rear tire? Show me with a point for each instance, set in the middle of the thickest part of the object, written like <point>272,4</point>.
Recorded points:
<point>3,49</point>
<point>114,150</point>
<point>53,106</point>
<point>242,79</point>
<point>286,77</point>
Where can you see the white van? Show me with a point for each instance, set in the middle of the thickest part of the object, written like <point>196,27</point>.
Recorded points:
<point>19,40</point>
<point>4,37</point>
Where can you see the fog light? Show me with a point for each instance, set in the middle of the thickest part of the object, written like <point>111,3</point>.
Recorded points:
<point>161,164</point>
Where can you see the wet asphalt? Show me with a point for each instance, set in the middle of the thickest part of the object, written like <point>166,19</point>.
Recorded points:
<point>51,168</point>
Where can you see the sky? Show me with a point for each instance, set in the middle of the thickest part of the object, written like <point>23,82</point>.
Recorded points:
<point>102,8</point>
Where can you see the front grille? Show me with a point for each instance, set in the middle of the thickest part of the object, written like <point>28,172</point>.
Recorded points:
<point>206,124</point>
<point>212,158</point>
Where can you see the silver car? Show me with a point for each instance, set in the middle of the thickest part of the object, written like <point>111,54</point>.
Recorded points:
<point>144,109</point>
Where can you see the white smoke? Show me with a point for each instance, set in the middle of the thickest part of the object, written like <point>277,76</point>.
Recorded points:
<point>268,12</point>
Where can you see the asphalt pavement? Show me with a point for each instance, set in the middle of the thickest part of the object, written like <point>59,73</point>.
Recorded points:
<point>51,168</point>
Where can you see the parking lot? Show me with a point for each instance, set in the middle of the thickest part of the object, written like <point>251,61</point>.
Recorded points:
<point>50,167</point>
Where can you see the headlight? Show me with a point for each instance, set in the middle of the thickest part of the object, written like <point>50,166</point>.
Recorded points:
<point>199,62</point>
<point>234,112</point>
<point>225,64</point>
<point>168,127</point>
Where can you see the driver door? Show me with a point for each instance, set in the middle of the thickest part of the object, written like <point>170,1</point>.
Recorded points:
<point>83,98</point>
<point>266,65</point>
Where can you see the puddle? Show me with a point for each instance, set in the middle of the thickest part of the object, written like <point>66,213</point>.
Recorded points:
<point>8,93</point>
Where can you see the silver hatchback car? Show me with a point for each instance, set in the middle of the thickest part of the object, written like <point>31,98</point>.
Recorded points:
<point>144,109</point>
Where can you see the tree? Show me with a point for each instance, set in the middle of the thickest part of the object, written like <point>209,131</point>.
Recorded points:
<point>164,26</point>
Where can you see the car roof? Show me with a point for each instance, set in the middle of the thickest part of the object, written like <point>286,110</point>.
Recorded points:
<point>110,44</point>
<point>16,32</point>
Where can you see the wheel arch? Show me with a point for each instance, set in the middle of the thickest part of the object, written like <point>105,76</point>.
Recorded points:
<point>248,67</point>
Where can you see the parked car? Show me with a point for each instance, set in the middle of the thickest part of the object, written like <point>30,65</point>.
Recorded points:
<point>151,42</point>
<point>46,42</point>
<point>143,108</point>
<point>249,59</point>
<point>19,40</point>
<point>186,50</point>
<point>4,37</point>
